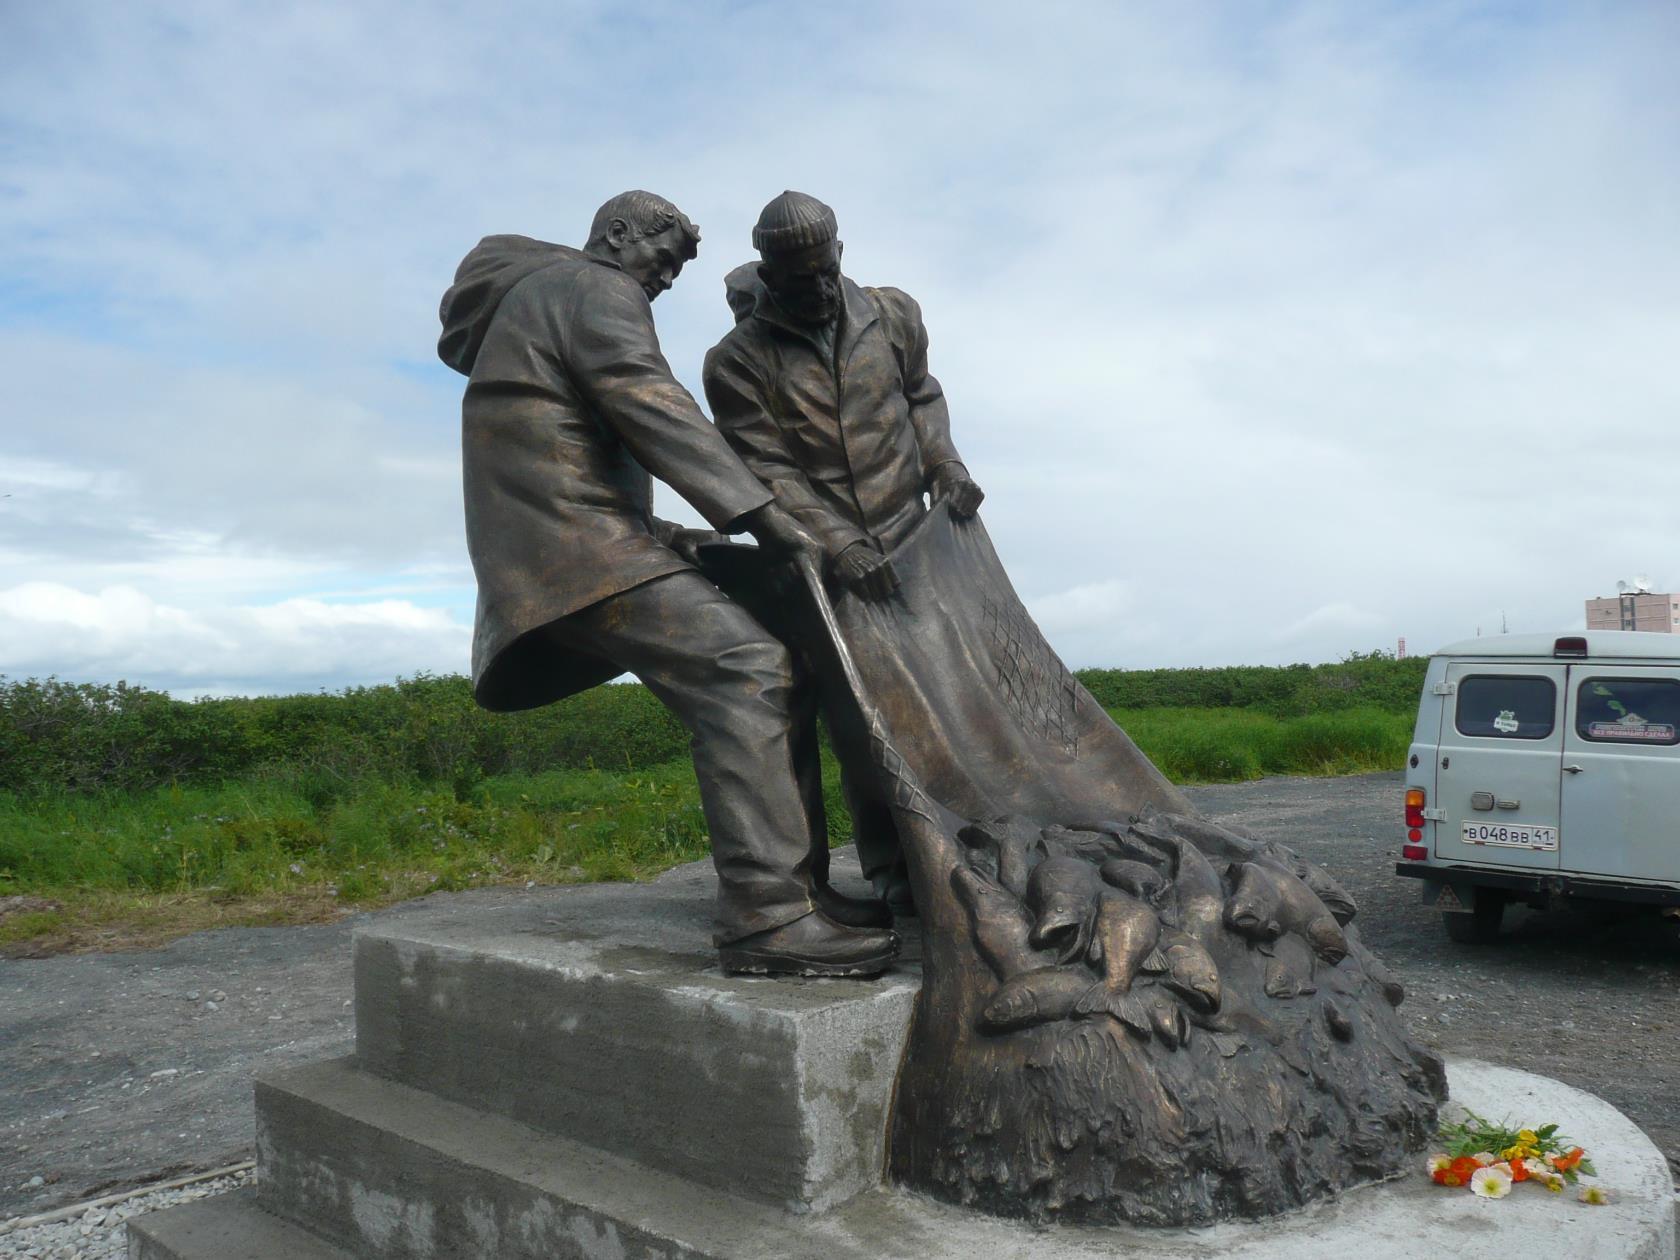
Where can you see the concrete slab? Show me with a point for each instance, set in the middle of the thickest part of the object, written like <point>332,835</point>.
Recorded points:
<point>605,1019</point>
<point>416,1178</point>
<point>227,1227</point>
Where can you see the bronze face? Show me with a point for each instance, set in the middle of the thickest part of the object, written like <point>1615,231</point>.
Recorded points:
<point>654,262</point>
<point>805,283</point>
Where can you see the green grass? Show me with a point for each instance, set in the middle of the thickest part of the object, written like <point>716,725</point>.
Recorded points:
<point>296,843</point>
<point>1231,745</point>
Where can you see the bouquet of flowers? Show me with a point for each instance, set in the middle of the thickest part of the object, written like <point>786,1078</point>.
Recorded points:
<point>1490,1158</point>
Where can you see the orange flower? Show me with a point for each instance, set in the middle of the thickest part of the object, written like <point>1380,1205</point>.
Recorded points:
<point>1563,1163</point>
<point>1446,1177</point>
<point>1464,1167</point>
<point>1519,1170</point>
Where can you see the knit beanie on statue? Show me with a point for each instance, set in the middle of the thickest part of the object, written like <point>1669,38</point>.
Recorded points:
<point>793,221</point>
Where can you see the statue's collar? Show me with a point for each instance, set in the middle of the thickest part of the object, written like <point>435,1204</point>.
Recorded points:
<point>860,312</point>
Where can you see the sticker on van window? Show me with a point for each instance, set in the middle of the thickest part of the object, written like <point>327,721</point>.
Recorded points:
<point>1632,727</point>
<point>1506,723</point>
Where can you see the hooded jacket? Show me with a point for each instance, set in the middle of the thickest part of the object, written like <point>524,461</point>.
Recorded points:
<point>847,439</point>
<point>569,408</point>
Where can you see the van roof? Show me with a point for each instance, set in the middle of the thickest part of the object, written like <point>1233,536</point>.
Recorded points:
<point>1627,644</point>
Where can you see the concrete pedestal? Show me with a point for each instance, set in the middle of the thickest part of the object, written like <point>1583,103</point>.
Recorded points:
<point>573,1078</point>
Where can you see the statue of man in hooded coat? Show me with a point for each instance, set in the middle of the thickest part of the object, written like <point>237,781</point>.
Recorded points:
<point>570,410</point>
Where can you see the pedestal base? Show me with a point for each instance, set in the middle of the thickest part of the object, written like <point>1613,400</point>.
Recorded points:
<point>573,1079</point>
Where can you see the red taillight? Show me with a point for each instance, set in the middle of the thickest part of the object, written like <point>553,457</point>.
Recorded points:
<point>1415,800</point>
<point>1412,851</point>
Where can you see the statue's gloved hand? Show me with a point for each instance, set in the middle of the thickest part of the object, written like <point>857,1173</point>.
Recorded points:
<point>781,534</point>
<point>866,571</point>
<point>952,482</point>
<point>687,542</point>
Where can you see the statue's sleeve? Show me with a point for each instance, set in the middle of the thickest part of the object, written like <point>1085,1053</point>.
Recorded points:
<point>742,412</point>
<point>929,416</point>
<point>611,353</point>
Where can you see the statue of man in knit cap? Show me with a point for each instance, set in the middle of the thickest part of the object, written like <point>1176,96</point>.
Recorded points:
<point>823,389</point>
<point>569,407</point>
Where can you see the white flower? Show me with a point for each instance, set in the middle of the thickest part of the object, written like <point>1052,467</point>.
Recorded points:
<point>1485,1158</point>
<point>1437,1163</point>
<point>1490,1183</point>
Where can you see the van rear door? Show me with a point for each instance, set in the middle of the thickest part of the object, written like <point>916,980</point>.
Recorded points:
<point>1501,754</point>
<point>1621,772</point>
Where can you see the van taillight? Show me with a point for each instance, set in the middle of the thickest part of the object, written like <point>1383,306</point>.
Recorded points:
<point>1416,798</point>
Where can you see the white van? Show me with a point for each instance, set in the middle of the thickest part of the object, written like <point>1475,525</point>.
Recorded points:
<point>1545,768</point>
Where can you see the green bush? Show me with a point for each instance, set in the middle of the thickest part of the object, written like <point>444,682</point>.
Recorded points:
<point>1229,745</point>
<point>1374,680</point>
<point>88,737</point>
<point>322,748</point>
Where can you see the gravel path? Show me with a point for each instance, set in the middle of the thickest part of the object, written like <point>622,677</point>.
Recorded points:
<point>117,1070</point>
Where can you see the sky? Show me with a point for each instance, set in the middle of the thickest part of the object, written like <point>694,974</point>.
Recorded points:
<point>1273,331</point>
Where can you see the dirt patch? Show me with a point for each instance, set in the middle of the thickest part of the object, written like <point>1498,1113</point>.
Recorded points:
<point>10,906</point>
<point>108,922</point>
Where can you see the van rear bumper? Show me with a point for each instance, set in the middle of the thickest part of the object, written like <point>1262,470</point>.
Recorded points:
<point>1549,883</point>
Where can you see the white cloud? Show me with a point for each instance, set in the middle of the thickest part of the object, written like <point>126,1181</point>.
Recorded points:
<point>1241,315</point>
<point>296,644</point>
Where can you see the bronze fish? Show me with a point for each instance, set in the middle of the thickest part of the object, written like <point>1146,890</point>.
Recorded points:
<point>1002,928</point>
<point>1035,997</point>
<point>1141,881</point>
<point>1268,902</point>
<point>1062,895</point>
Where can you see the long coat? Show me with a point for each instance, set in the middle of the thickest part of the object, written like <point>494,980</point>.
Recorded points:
<point>569,407</point>
<point>849,440</point>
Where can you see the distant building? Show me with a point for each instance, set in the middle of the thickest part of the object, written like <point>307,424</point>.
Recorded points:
<point>1635,610</point>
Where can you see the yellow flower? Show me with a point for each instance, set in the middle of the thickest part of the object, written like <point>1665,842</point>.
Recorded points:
<point>1551,1181</point>
<point>1596,1195</point>
<point>1528,1137</point>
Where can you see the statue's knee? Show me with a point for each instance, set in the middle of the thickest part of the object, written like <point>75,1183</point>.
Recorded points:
<point>762,666</point>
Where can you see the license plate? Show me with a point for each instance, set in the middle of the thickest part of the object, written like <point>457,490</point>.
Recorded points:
<point>1511,835</point>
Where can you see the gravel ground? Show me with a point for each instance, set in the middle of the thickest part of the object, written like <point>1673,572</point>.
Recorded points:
<point>97,1233</point>
<point>119,1070</point>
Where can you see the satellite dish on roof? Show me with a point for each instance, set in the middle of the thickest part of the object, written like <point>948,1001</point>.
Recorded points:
<point>1621,588</point>
<point>1641,583</point>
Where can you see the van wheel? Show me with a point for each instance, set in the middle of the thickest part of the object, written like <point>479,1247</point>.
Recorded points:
<point>1481,925</point>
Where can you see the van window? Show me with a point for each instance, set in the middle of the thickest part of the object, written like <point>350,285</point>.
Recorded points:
<point>1506,706</point>
<point>1629,710</point>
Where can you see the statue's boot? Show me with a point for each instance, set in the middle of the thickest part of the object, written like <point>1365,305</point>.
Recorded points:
<point>894,889</point>
<point>814,945</point>
<point>852,912</point>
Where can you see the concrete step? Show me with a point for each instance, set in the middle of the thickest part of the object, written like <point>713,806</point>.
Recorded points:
<point>605,1019</point>
<point>393,1173</point>
<point>405,1177</point>
<point>227,1227</point>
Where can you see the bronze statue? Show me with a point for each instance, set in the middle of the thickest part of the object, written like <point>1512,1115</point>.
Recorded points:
<point>569,407</point>
<point>1127,1013</point>
<point>823,389</point>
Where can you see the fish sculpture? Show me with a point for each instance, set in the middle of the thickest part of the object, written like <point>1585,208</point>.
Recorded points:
<point>1062,899</point>
<point>1268,902</point>
<point>1001,925</point>
<point>1140,880</point>
<point>1035,997</point>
